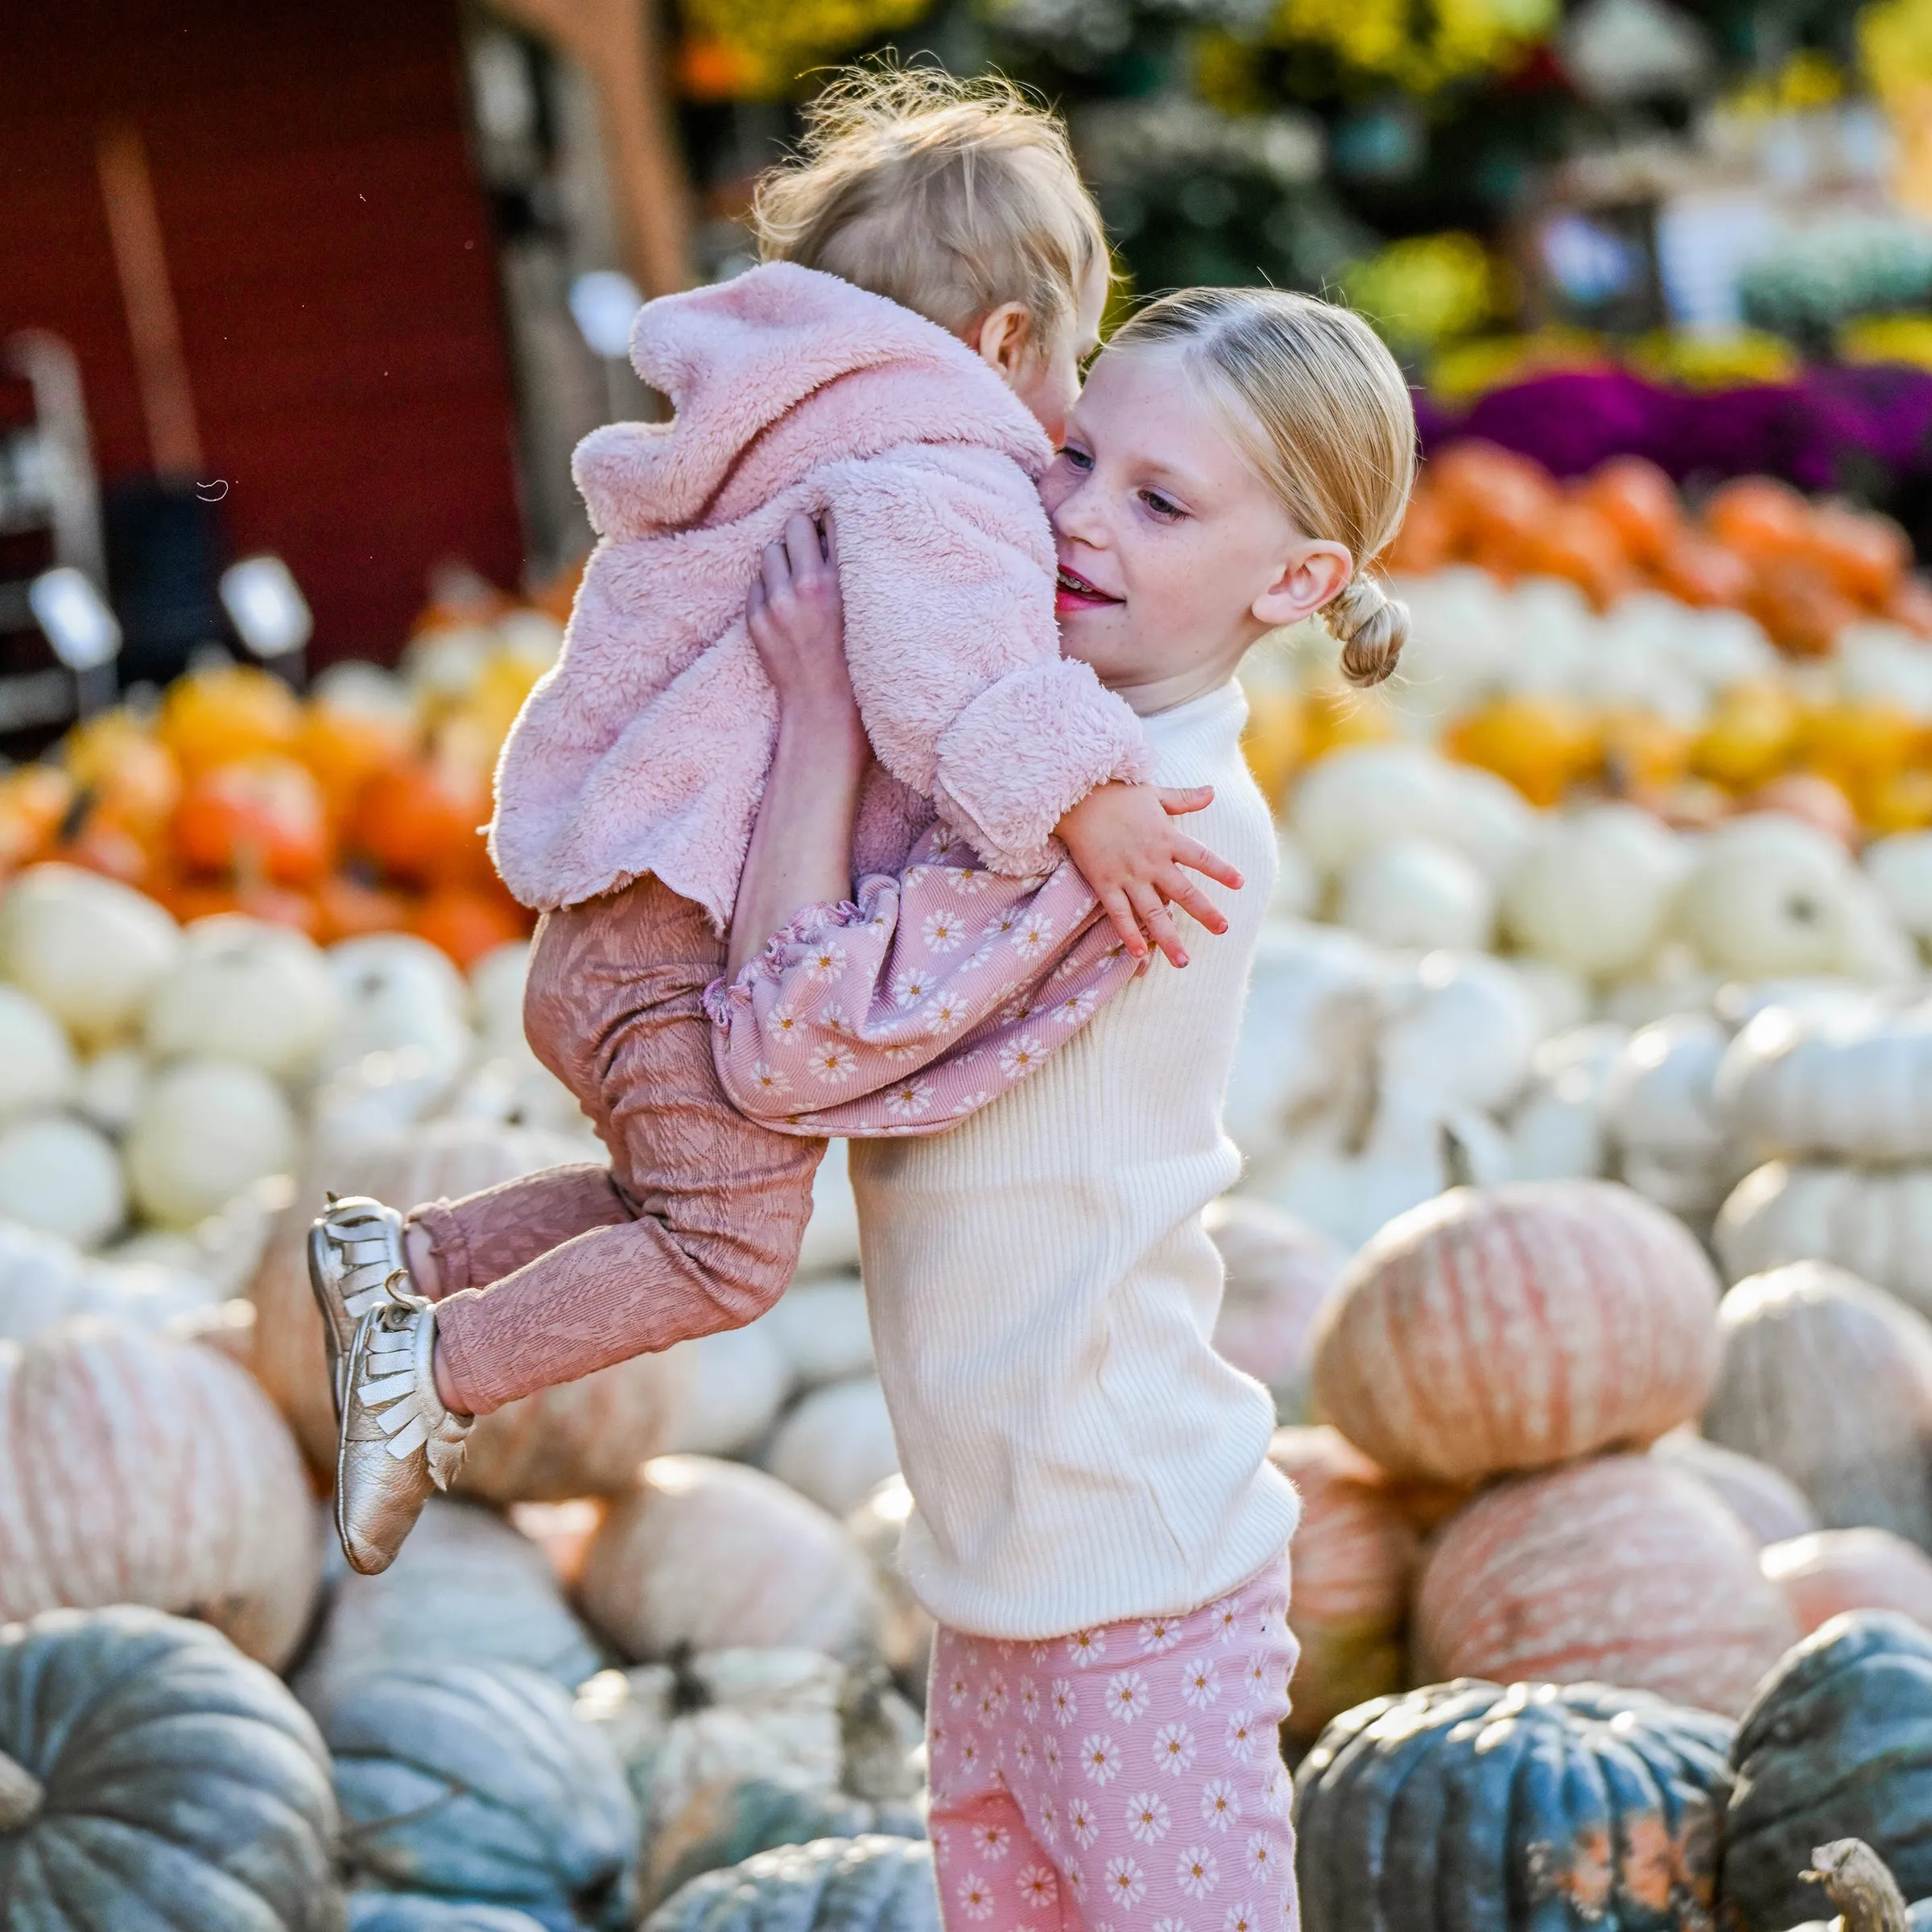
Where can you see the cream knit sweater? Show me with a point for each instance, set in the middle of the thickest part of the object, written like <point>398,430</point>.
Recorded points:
<point>1042,1291</point>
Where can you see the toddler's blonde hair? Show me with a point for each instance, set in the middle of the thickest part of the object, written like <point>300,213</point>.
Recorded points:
<point>951,196</point>
<point>1322,411</point>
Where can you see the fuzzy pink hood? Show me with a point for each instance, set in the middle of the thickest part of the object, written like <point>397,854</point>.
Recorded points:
<point>646,748</point>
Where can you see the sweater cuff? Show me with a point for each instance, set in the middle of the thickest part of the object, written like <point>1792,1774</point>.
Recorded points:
<point>1027,748</point>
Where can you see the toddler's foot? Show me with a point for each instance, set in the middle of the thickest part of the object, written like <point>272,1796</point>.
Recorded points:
<point>355,1264</point>
<point>399,1441</point>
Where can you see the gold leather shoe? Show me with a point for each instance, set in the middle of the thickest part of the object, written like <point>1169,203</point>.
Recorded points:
<point>399,1444</point>
<point>355,1257</point>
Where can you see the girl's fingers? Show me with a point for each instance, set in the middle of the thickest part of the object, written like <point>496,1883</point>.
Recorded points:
<point>1191,853</point>
<point>1177,801</point>
<point>1126,927</point>
<point>1181,891</point>
<point>1153,916</point>
<point>775,568</point>
<point>801,550</point>
<point>830,530</point>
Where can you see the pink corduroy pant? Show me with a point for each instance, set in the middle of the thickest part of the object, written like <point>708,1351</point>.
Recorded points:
<point>1123,1779</point>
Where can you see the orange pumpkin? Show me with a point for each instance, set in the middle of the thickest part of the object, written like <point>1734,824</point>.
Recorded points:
<point>34,801</point>
<point>343,750</point>
<point>469,921</point>
<point>1752,734</point>
<point>1758,518</point>
<point>1572,541</point>
<point>259,818</point>
<point>214,717</point>
<point>1696,570</point>
<point>1541,744</point>
<point>1427,540</point>
<point>1799,606</point>
<point>132,777</point>
<point>1640,503</point>
<point>1865,556</point>
<point>102,845</point>
<point>1353,1558</point>
<point>1911,605</point>
<point>1618,1570</point>
<point>348,908</point>
<point>420,822</point>
<point>1832,1570</point>
<point>189,899</point>
<point>1499,1328</point>
<point>1494,499</point>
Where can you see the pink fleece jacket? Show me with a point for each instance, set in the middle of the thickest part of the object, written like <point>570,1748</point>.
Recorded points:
<point>646,749</point>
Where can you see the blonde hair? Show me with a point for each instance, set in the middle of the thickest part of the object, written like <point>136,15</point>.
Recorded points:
<point>951,196</point>
<point>1322,411</point>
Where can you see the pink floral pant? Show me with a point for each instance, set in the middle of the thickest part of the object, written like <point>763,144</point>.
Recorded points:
<point>1124,1779</point>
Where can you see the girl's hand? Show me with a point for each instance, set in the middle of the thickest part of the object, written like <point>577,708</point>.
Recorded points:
<point>798,628</point>
<point>1119,837</point>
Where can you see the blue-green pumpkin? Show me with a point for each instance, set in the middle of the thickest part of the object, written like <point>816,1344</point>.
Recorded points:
<point>1836,1743</point>
<point>411,1912</point>
<point>836,1884</point>
<point>150,1775</point>
<point>479,1783</point>
<point>759,1816</point>
<point>1469,1807</point>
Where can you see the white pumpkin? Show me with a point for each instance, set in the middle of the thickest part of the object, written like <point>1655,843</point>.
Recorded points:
<point>37,1068</point>
<point>1556,1129</point>
<point>1297,885</point>
<point>1670,1136</point>
<point>877,1526</point>
<point>1363,796</point>
<point>1560,1000</point>
<point>1765,895</point>
<point>374,1098</point>
<point>1463,1030</point>
<point>739,1379</point>
<point>205,1130</point>
<point>1278,1271</point>
<point>712,1555</point>
<point>62,1176</point>
<point>836,1447</point>
<point>516,1089</point>
<point>1593,892</point>
<point>820,1329</point>
<point>245,991</point>
<point>108,1089</point>
<point>395,991</point>
<point>832,1236</point>
<point>46,1280</point>
<point>1417,893</point>
<point>1855,1084</point>
<point>495,996</point>
<point>1875,1222</point>
<point>1487,819</point>
<point>1873,946</point>
<point>1901,867</point>
<point>357,689</point>
<point>89,949</point>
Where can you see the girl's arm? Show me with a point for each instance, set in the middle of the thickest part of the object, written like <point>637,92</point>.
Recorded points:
<point>800,853</point>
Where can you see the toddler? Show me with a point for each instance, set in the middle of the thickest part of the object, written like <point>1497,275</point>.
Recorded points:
<point>1096,1527</point>
<point>900,366</point>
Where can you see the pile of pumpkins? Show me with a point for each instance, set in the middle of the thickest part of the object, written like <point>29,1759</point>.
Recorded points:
<point>355,808</point>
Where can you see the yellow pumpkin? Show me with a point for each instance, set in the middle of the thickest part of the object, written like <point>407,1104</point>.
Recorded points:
<point>237,711</point>
<point>1276,739</point>
<point>1541,744</point>
<point>1750,736</point>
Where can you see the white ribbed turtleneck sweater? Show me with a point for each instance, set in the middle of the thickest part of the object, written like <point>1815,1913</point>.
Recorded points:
<point>1042,1291</point>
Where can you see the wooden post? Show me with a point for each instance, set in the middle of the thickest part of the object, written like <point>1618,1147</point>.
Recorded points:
<point>619,44</point>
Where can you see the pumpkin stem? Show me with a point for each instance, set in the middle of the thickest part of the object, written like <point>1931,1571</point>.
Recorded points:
<point>21,1795</point>
<point>1859,1883</point>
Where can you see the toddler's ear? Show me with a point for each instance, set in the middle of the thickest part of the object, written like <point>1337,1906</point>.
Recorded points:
<point>1002,339</point>
<point>1314,573</point>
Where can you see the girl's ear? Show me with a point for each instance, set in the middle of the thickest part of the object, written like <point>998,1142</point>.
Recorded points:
<point>1003,341</point>
<point>1317,572</point>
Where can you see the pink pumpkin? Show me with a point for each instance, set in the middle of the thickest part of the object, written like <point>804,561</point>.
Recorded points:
<point>1835,1570</point>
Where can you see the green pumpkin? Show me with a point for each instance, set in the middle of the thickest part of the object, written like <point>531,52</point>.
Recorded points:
<point>1468,1807</point>
<point>150,1775</point>
<point>478,1782</point>
<point>411,1912</point>
<point>837,1884</point>
<point>759,1816</point>
<point>1836,1743</point>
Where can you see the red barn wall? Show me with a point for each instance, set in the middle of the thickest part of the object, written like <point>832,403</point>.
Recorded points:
<point>330,254</point>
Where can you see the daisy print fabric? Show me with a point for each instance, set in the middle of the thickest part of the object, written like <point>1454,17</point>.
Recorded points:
<point>936,991</point>
<point>1123,1779</point>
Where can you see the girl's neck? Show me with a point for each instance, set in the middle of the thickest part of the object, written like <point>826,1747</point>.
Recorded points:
<point>1147,699</point>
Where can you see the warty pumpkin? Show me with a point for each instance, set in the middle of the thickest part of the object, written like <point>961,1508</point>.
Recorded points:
<point>1837,1744</point>
<point>479,1782</point>
<point>1830,1380</point>
<point>1508,1328</point>
<point>1466,1805</point>
<point>151,1775</point>
<point>1833,1571</point>
<point>1353,1558</point>
<point>149,1471</point>
<point>1620,1571</point>
<point>411,1912</point>
<point>874,1884</point>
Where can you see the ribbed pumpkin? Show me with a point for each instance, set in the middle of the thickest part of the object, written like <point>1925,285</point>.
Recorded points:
<point>487,1592</point>
<point>150,1775</point>
<point>1501,1328</point>
<point>705,1554</point>
<point>839,1884</point>
<point>479,1783</point>
<point>1834,1570</point>
<point>1620,1571</point>
<point>585,1438</point>
<point>1770,1504</point>
<point>1466,1807</point>
<point>143,1470</point>
<point>1353,1560</point>
<point>408,1912</point>
<point>1838,1744</point>
<point>1830,1380</point>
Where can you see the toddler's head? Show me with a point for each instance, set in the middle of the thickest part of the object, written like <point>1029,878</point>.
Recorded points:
<point>1239,459</point>
<point>960,200</point>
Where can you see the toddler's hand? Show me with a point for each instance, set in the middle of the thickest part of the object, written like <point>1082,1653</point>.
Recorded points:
<point>1119,837</point>
<point>798,627</point>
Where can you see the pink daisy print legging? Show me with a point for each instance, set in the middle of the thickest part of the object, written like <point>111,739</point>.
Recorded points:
<point>1124,1779</point>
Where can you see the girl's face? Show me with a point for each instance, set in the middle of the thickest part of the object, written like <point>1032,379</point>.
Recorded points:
<point>1173,556</point>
